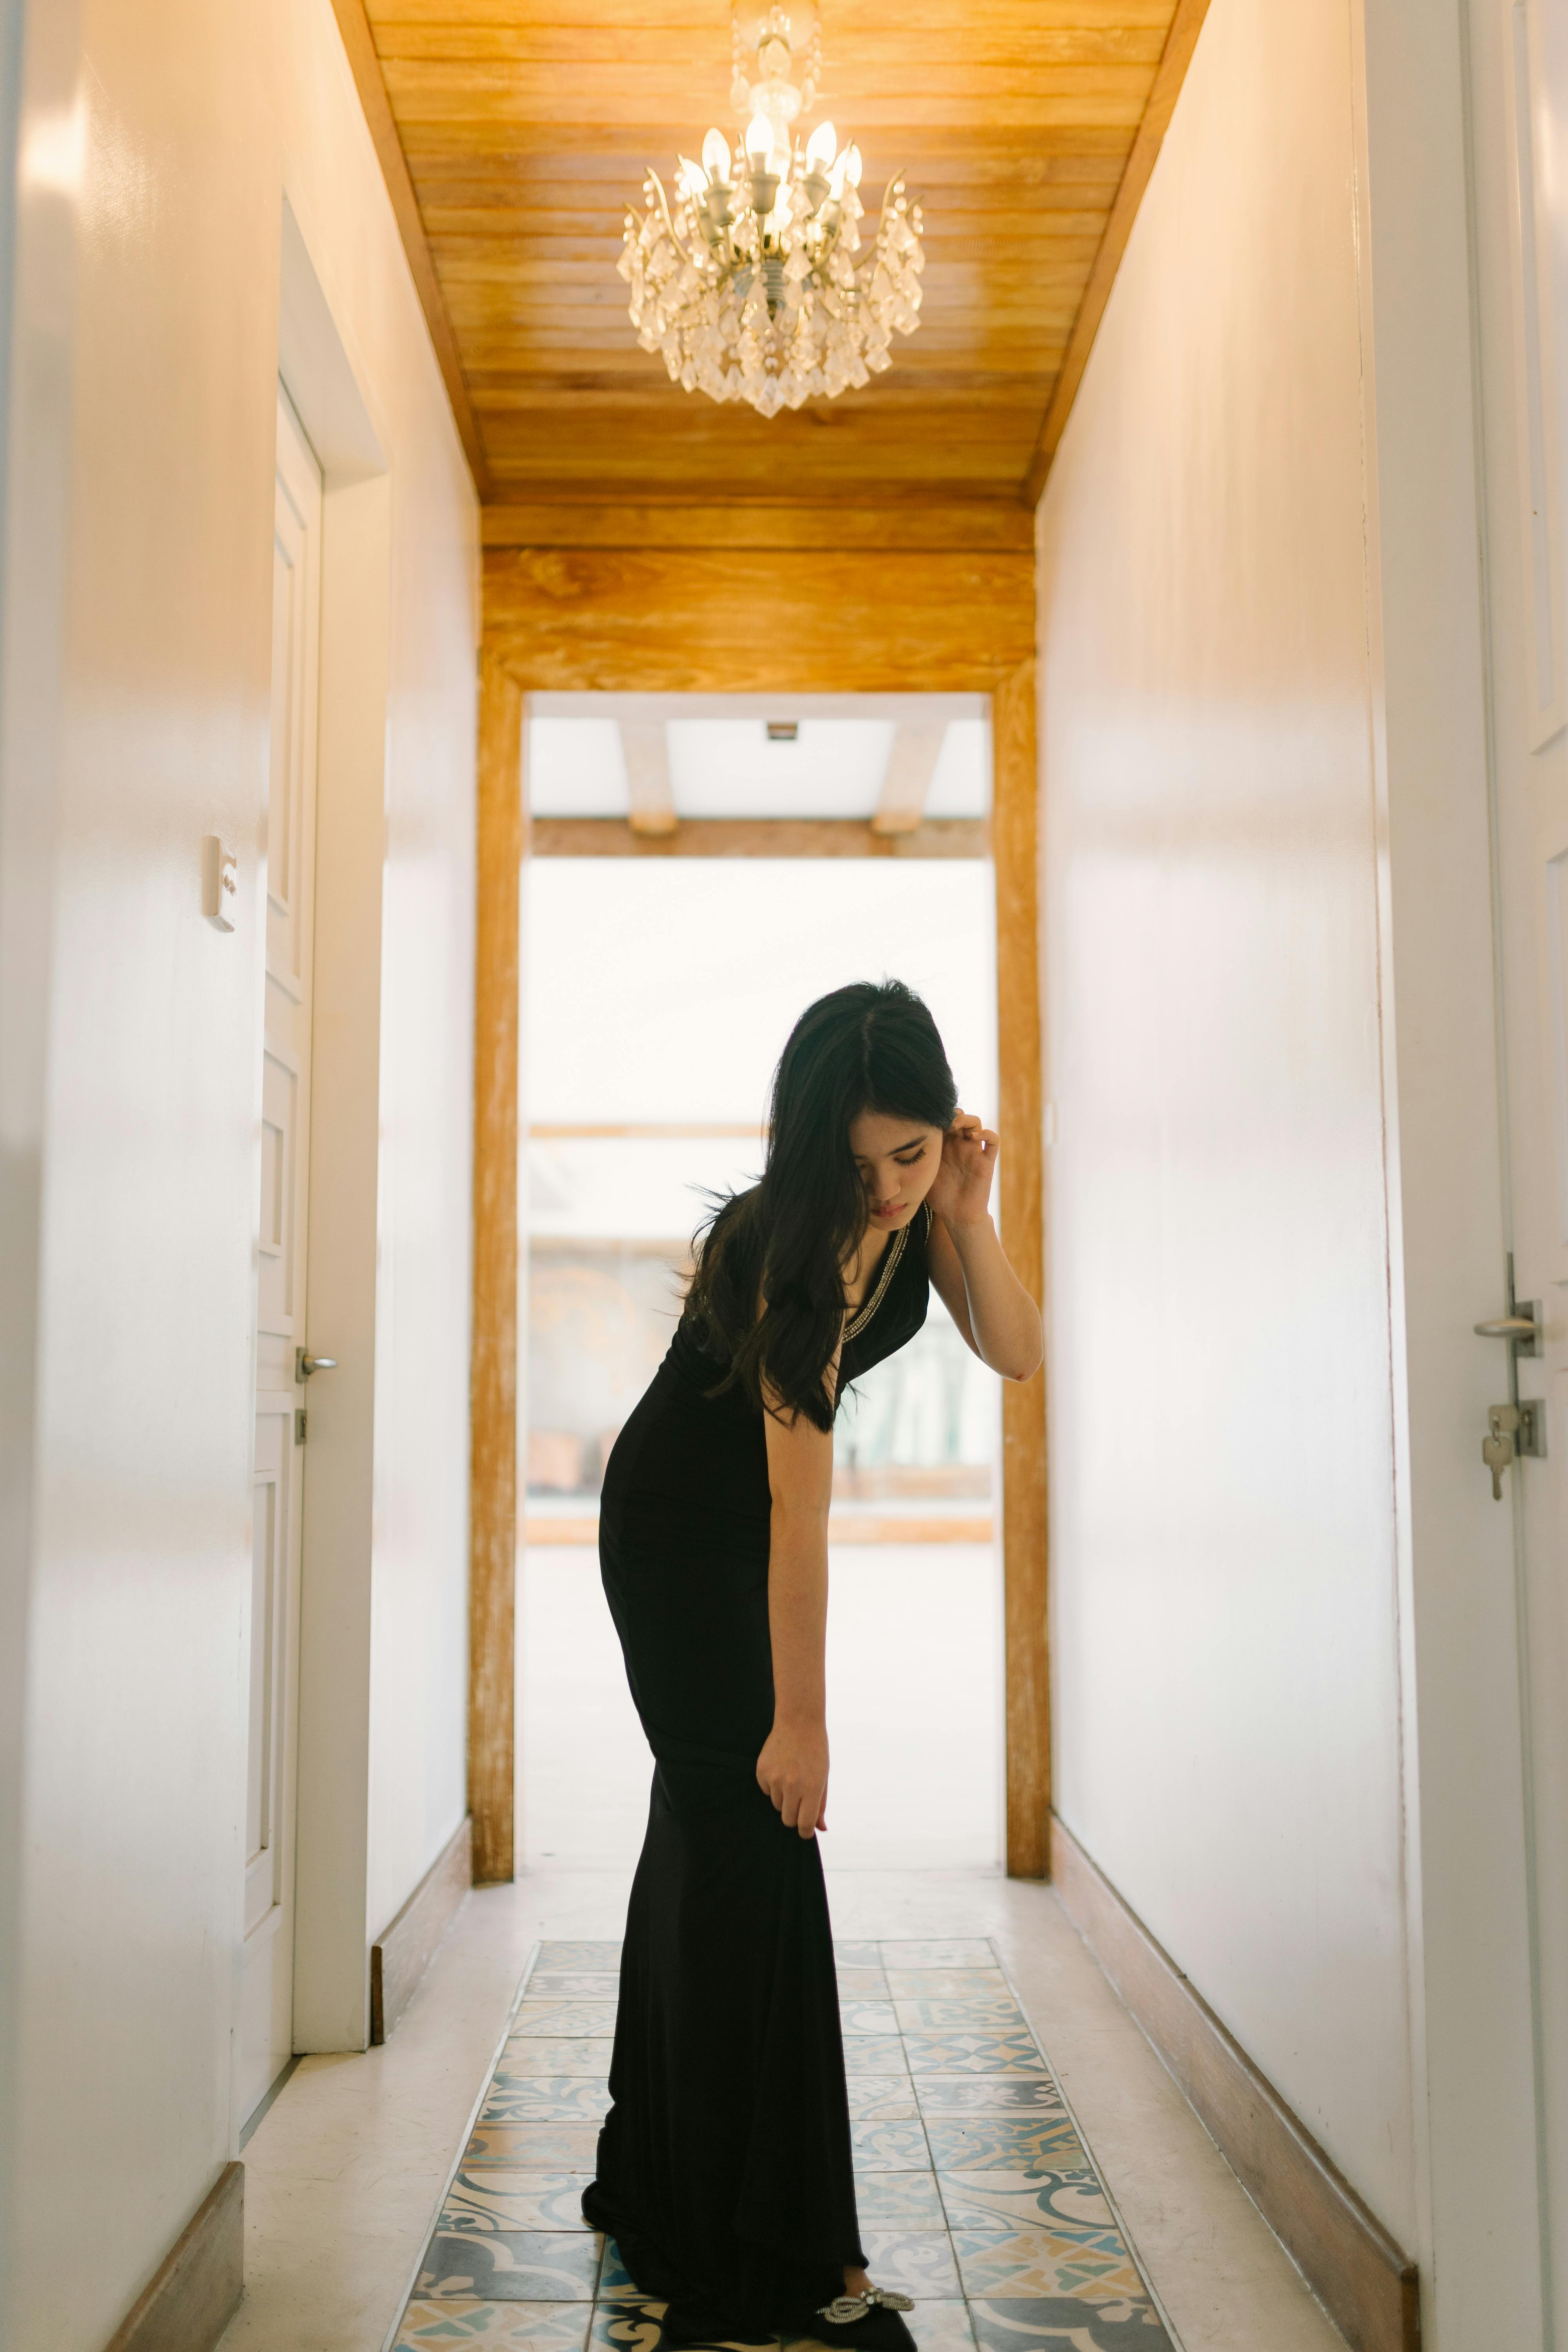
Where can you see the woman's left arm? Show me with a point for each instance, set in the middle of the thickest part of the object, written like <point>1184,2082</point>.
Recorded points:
<point>968,1264</point>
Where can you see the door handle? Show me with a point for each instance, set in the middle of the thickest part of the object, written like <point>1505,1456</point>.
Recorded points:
<point>1520,1329</point>
<point>305,1364</point>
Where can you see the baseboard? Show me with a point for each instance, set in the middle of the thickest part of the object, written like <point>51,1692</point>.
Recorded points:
<point>406,1950</point>
<point>1367,2283</point>
<point>196,2293</point>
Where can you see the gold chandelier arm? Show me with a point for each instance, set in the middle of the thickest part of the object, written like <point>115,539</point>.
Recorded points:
<point>669,225</point>
<point>894,184</point>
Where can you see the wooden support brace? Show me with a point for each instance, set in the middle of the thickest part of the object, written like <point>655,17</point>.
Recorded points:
<point>1015,841</point>
<point>492,1579</point>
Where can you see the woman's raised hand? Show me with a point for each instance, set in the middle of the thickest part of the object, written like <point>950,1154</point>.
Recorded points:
<point>961,1192</point>
<point>793,1769</point>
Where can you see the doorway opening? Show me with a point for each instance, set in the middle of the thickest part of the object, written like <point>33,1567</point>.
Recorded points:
<point>702,868</point>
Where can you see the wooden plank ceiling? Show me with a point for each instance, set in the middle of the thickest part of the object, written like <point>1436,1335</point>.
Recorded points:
<point>527,126</point>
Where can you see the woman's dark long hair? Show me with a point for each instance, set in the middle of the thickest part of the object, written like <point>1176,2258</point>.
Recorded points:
<point>864,1048</point>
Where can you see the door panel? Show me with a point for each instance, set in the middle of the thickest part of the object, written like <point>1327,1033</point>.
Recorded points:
<point>266,2025</point>
<point>1523,336</point>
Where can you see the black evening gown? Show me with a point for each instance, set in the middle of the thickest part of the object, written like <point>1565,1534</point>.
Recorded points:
<point>724,2165</point>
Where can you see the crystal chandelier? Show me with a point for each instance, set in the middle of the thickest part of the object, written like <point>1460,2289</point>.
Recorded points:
<point>749,286</point>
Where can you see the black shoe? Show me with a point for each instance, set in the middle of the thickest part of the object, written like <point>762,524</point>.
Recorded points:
<point>872,2321</point>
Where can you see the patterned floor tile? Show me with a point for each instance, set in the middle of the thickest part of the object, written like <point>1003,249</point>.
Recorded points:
<point>937,2328</point>
<point>1011,2263</point>
<point>867,2017</point>
<point>862,1984</point>
<point>969,2054</point>
<point>630,2324</point>
<point>954,1952</point>
<point>881,2098</point>
<point>1063,2324</point>
<point>493,2326</point>
<point>939,1984</point>
<point>912,2262</point>
<point>529,2054</point>
<point>898,2200</point>
<point>1021,2146</point>
<point>984,2095</point>
<point>564,2020</point>
<point>980,2012</point>
<point>890,2148</point>
<point>973,2203</point>
<point>510,2266</point>
<point>617,2283</point>
<point>546,2098</point>
<point>965,2162</point>
<point>491,2197</point>
<point>535,2147</point>
<point>634,2325</point>
<point>874,2053</point>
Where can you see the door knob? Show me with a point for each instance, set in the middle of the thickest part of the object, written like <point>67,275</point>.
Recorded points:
<point>305,1364</point>
<point>1520,1325</point>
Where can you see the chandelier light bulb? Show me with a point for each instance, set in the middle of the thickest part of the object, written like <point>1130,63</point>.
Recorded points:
<point>759,141</point>
<point>715,158</point>
<point>852,164</point>
<point>821,147</point>
<point>691,179</point>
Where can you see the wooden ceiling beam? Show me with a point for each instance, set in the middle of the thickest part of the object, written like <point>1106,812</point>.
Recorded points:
<point>665,620</point>
<point>909,525</point>
<point>596,836</point>
<point>644,748</point>
<point>911,763</point>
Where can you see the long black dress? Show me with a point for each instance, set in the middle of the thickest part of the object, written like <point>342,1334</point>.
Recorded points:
<point>724,2168</point>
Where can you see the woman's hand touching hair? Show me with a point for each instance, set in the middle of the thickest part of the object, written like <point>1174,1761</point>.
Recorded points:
<point>961,1192</point>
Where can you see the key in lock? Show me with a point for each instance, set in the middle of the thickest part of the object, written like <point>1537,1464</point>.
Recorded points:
<point>1498,1446</point>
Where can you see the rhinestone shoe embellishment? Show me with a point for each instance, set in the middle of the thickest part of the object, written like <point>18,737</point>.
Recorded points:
<point>845,2307</point>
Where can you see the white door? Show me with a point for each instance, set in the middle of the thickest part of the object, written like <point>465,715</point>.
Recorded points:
<point>1523,335</point>
<point>266,2002</point>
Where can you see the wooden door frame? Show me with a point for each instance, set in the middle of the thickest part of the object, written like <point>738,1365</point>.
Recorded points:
<point>825,618</point>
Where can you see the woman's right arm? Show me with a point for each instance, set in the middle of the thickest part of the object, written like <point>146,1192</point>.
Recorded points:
<point>793,1766</point>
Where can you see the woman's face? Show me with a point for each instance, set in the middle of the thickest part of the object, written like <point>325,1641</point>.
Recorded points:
<point>898,1159</point>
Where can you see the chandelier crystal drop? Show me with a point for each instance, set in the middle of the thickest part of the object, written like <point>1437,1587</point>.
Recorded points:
<point>754,284</point>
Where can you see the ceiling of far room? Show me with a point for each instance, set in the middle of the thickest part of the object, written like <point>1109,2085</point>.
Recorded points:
<point>723,762</point>
<point>528,126</point>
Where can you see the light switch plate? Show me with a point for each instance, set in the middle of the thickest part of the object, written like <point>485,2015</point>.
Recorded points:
<point>220,882</point>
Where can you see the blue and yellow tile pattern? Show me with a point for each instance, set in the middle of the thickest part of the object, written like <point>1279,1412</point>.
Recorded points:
<point>976,2194</point>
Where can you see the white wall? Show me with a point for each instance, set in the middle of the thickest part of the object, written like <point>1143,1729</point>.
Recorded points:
<point>1226,1637</point>
<point>1288,1720</point>
<point>192,123</point>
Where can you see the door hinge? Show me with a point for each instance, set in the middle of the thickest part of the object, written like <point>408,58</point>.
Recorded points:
<point>299,1425</point>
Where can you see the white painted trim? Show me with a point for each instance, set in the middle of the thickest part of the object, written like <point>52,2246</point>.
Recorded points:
<point>39,117</point>
<point>333,1930</point>
<point>1466,1914</point>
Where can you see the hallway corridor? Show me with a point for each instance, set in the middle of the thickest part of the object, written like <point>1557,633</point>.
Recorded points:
<point>539,540</point>
<point>374,2181</point>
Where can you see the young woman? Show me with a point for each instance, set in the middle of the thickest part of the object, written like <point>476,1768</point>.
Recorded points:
<point>724,2166</point>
